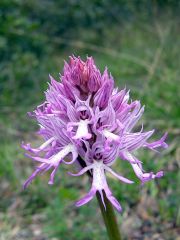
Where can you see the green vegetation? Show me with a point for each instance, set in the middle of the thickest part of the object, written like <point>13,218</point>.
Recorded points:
<point>141,51</point>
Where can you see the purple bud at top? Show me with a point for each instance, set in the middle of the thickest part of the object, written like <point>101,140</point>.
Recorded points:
<point>84,75</point>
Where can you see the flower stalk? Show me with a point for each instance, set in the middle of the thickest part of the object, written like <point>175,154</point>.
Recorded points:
<point>109,218</point>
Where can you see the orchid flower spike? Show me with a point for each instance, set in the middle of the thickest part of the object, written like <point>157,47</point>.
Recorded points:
<point>85,117</point>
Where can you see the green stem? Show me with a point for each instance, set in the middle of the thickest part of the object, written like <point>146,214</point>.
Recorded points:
<point>109,218</point>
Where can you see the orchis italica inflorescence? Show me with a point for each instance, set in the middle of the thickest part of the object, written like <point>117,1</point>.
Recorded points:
<point>86,120</point>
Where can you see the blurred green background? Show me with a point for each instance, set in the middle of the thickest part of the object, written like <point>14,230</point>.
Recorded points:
<point>139,42</point>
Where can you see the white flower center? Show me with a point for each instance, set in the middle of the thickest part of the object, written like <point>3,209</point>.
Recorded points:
<point>99,179</point>
<point>82,130</point>
<point>60,155</point>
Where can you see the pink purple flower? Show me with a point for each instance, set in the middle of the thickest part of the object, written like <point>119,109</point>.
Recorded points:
<point>85,118</point>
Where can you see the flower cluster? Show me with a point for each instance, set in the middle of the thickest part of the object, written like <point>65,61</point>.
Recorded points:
<point>86,120</point>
